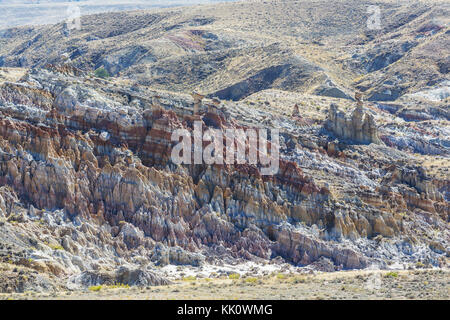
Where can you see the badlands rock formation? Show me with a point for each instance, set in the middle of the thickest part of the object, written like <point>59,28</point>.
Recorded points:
<point>89,193</point>
<point>88,187</point>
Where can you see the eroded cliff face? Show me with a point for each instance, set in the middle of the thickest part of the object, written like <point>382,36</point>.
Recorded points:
<point>87,185</point>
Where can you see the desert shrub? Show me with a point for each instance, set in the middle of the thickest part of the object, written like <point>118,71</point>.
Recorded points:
<point>119,286</point>
<point>56,247</point>
<point>391,274</point>
<point>95,288</point>
<point>234,276</point>
<point>101,73</point>
<point>420,265</point>
<point>251,280</point>
<point>298,279</point>
<point>281,276</point>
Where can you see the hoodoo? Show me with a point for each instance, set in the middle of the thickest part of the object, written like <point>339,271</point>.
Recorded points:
<point>359,127</point>
<point>197,101</point>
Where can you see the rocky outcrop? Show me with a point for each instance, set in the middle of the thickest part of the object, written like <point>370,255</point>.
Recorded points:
<point>87,178</point>
<point>296,111</point>
<point>304,250</point>
<point>359,127</point>
<point>197,102</point>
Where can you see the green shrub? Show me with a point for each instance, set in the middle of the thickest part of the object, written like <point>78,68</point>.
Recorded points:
<point>112,286</point>
<point>298,279</point>
<point>119,286</point>
<point>391,274</point>
<point>251,280</point>
<point>95,288</point>
<point>234,276</point>
<point>56,247</point>
<point>281,276</point>
<point>101,73</point>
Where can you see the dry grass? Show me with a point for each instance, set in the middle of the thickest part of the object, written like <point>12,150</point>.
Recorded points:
<point>418,284</point>
<point>435,167</point>
<point>11,74</point>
